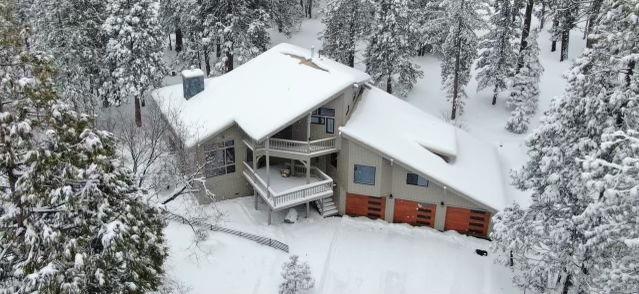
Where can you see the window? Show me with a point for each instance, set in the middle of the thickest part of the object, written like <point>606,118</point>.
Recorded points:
<point>321,115</point>
<point>364,174</point>
<point>220,158</point>
<point>415,179</point>
<point>330,126</point>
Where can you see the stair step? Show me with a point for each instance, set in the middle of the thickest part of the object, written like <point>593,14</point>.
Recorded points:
<point>330,212</point>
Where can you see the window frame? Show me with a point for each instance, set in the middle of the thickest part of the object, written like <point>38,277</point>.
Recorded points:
<point>424,184</point>
<point>321,115</point>
<point>332,125</point>
<point>226,164</point>
<point>362,167</point>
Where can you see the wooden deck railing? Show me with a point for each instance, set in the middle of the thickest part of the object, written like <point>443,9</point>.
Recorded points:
<point>303,147</point>
<point>300,194</point>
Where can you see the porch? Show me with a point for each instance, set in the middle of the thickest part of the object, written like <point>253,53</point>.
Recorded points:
<point>296,149</point>
<point>283,186</point>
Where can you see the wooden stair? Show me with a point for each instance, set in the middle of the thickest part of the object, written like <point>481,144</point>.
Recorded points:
<point>326,206</point>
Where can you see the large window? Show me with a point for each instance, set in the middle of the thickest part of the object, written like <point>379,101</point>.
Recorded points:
<point>364,174</point>
<point>324,116</point>
<point>220,158</point>
<point>415,179</point>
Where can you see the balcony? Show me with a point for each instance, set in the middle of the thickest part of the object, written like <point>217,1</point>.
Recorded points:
<point>297,149</point>
<point>283,192</point>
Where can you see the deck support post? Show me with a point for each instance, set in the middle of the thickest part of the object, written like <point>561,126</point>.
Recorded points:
<point>308,133</point>
<point>255,200</point>
<point>308,208</point>
<point>292,167</point>
<point>308,171</point>
<point>268,168</point>
<point>270,215</point>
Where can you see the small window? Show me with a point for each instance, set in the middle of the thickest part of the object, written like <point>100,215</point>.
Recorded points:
<point>322,115</point>
<point>330,126</point>
<point>415,179</point>
<point>317,120</point>
<point>364,175</point>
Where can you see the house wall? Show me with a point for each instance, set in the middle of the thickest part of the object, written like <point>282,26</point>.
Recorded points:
<point>390,179</point>
<point>230,185</point>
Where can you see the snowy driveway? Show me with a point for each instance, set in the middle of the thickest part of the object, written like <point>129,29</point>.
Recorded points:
<point>346,255</point>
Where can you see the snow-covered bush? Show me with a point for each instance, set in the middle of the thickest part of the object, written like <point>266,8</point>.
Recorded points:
<point>297,276</point>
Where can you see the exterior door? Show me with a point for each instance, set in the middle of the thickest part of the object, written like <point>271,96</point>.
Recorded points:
<point>467,221</point>
<point>414,213</point>
<point>362,205</point>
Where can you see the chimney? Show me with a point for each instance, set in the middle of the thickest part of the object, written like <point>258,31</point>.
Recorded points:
<point>192,82</point>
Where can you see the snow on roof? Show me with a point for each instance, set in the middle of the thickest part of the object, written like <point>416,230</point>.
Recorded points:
<point>190,73</point>
<point>260,96</point>
<point>414,138</point>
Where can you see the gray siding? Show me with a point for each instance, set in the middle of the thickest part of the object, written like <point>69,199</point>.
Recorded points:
<point>229,185</point>
<point>390,178</point>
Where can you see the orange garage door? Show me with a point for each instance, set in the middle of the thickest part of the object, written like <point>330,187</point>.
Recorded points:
<point>362,205</point>
<point>414,213</point>
<point>467,221</point>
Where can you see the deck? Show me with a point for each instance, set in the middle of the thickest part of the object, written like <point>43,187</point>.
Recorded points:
<point>284,192</point>
<point>297,149</point>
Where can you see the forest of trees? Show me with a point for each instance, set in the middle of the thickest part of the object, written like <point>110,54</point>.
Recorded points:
<point>66,66</point>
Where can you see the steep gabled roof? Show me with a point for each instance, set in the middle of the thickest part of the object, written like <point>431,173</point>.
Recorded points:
<point>427,145</point>
<point>260,96</point>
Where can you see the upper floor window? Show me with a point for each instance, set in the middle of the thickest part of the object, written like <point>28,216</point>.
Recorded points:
<point>417,180</point>
<point>364,174</point>
<point>320,115</point>
<point>220,158</point>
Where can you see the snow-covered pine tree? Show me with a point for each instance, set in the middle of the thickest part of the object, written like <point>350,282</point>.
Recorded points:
<point>525,89</point>
<point>241,29</point>
<point>297,276</point>
<point>71,31</point>
<point>497,58</point>
<point>347,22</point>
<point>133,53</point>
<point>565,15</point>
<point>71,218</point>
<point>388,56</point>
<point>286,14</point>
<point>460,19</point>
<point>582,194</point>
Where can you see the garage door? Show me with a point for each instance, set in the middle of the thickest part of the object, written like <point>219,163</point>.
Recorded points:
<point>362,205</point>
<point>467,221</point>
<point>414,213</point>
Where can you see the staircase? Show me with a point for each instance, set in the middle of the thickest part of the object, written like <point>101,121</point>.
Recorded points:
<point>326,206</point>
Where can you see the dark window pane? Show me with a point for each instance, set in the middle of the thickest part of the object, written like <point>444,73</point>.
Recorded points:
<point>415,179</point>
<point>230,169</point>
<point>230,155</point>
<point>330,126</point>
<point>364,174</point>
<point>229,143</point>
<point>318,120</point>
<point>325,111</point>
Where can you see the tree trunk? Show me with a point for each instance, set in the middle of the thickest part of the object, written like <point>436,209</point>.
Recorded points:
<point>310,8</point>
<point>567,284</point>
<point>207,63</point>
<point>228,63</point>
<point>453,113</point>
<point>178,40</point>
<point>555,24</point>
<point>525,32</point>
<point>565,40</point>
<point>592,20</point>
<point>389,84</point>
<point>542,17</point>
<point>170,45</point>
<point>218,49</point>
<point>138,112</point>
<point>495,92</point>
<point>351,58</point>
<point>631,71</point>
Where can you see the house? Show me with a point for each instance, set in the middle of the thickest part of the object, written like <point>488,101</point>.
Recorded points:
<point>291,128</point>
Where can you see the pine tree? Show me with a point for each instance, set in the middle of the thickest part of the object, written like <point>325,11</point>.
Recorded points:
<point>460,19</point>
<point>297,276</point>
<point>347,22</point>
<point>581,173</point>
<point>388,56</point>
<point>133,53</point>
<point>525,89</point>
<point>497,60</point>
<point>241,29</point>
<point>71,31</point>
<point>286,14</point>
<point>71,218</point>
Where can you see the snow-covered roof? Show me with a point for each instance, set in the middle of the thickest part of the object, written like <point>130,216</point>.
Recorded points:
<point>414,139</point>
<point>260,96</point>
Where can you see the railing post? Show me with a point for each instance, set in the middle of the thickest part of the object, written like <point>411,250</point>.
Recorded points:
<point>308,133</point>
<point>268,170</point>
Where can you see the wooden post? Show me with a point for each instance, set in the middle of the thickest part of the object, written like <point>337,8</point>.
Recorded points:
<point>308,171</point>
<point>270,215</point>
<point>268,168</point>
<point>308,208</point>
<point>308,133</point>
<point>255,171</point>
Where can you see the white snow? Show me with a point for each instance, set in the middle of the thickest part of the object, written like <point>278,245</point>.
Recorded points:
<point>191,73</point>
<point>260,96</point>
<point>346,255</point>
<point>279,183</point>
<point>413,138</point>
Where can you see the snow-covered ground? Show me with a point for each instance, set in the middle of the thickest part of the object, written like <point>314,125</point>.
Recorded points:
<point>346,255</point>
<point>357,255</point>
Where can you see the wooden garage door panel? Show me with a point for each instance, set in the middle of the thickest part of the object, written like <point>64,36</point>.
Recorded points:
<point>466,221</point>
<point>362,205</point>
<point>414,213</point>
